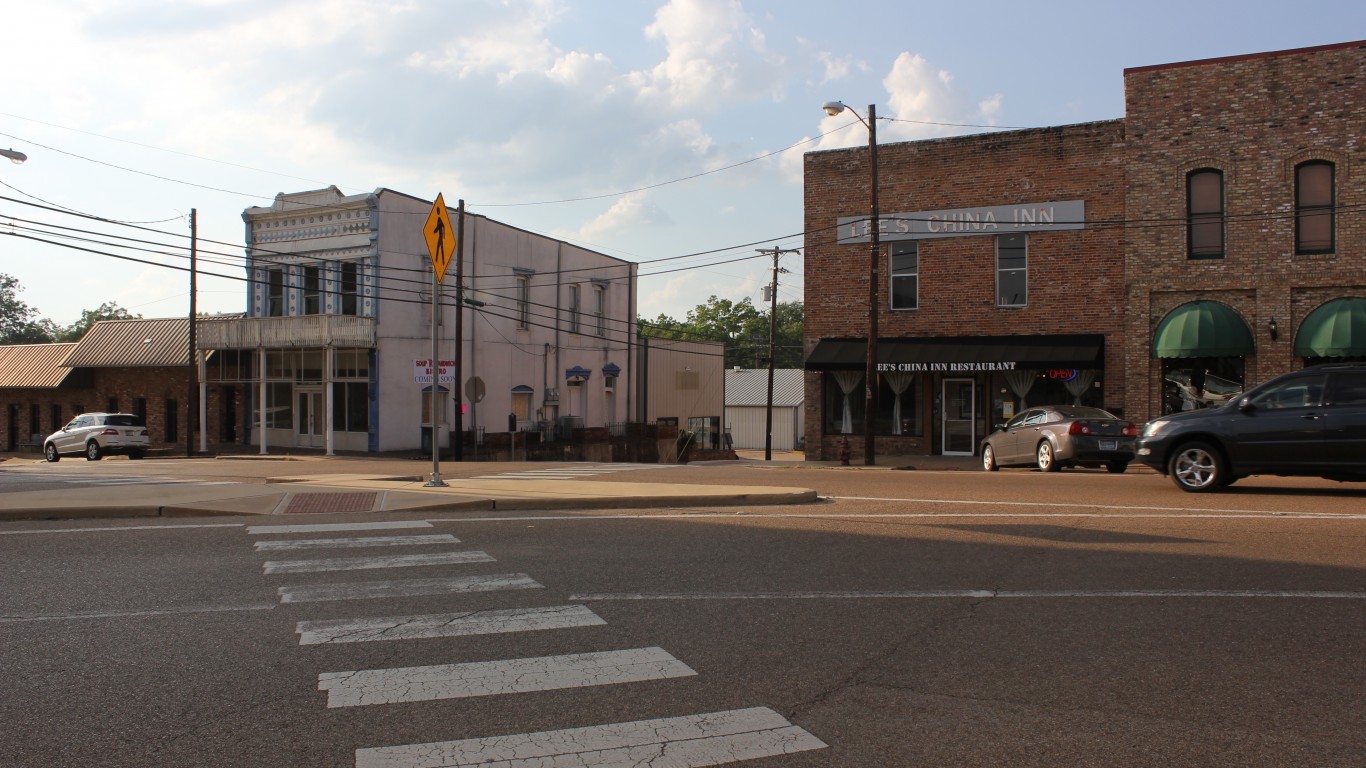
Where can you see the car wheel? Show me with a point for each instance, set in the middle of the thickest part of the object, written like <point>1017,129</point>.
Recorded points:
<point>1047,461</point>
<point>1117,467</point>
<point>135,455</point>
<point>50,453</point>
<point>92,451</point>
<point>1198,468</point>
<point>989,459</point>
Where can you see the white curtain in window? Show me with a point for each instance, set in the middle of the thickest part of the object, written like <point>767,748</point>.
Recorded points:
<point>848,381</point>
<point>1020,383</point>
<point>1077,386</point>
<point>899,382</point>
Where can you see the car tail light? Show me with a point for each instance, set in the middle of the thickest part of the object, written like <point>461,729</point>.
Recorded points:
<point>1079,428</point>
<point>109,432</point>
<point>1129,430</point>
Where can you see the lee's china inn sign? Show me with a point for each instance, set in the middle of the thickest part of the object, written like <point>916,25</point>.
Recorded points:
<point>960,222</point>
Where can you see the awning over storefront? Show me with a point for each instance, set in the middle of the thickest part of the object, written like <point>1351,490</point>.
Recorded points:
<point>962,354</point>
<point>1336,329</point>
<point>1202,329</point>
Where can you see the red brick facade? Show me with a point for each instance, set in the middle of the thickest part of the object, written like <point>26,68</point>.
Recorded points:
<point>1254,118</point>
<point>121,389</point>
<point>1075,278</point>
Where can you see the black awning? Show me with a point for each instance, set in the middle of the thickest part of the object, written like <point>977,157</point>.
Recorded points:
<point>963,354</point>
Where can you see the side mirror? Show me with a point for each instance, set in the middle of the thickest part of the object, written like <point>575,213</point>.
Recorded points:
<point>1000,427</point>
<point>1245,405</point>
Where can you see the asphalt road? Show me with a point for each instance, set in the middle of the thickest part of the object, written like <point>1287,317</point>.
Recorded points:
<point>913,619</point>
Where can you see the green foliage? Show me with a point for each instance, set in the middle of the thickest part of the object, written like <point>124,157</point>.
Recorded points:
<point>107,311</point>
<point>20,323</point>
<point>742,326</point>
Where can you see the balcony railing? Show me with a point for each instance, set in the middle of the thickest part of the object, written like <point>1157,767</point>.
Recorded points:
<point>309,331</point>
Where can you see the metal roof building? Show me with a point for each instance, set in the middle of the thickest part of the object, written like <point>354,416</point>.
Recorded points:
<point>747,402</point>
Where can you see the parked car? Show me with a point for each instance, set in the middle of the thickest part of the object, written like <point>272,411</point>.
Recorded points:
<point>1306,423</point>
<point>1055,436</point>
<point>98,435</point>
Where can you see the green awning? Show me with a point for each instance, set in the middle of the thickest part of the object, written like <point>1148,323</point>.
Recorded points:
<point>1202,329</point>
<point>1336,329</point>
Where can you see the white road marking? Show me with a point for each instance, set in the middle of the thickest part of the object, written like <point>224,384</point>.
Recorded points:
<point>317,593</point>
<point>351,543</point>
<point>491,622</point>
<point>978,594</point>
<point>813,515</point>
<point>124,614</point>
<point>492,678</point>
<point>124,528</point>
<point>567,473</point>
<point>692,741</point>
<point>1076,505</point>
<point>372,563</point>
<point>256,530</point>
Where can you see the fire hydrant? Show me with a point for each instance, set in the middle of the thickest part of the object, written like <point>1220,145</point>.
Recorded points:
<point>844,451</point>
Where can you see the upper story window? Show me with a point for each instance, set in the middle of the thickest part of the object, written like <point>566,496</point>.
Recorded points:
<point>349,288</point>
<point>600,309</point>
<point>1314,204</point>
<point>1205,214</point>
<point>905,275</point>
<point>313,304</point>
<point>573,309</point>
<point>1012,270</point>
<point>275,292</point>
<point>523,301</point>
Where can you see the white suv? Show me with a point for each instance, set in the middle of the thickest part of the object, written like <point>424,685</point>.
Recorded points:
<point>97,435</point>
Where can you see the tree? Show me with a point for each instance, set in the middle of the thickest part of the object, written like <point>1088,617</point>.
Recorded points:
<point>741,326</point>
<point>19,323</point>
<point>110,310</point>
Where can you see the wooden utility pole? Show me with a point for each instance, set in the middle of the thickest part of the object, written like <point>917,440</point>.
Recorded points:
<point>190,408</point>
<point>772,343</point>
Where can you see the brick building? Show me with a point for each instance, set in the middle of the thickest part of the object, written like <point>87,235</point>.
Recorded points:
<point>1249,170</point>
<point>1133,264</point>
<point>118,366</point>
<point>998,291</point>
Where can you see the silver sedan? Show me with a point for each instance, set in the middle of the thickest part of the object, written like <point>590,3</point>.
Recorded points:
<point>1055,436</point>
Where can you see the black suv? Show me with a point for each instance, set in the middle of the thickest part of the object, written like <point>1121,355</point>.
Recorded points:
<point>1310,422</point>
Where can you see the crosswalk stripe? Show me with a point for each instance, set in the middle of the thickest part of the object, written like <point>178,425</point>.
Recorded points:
<point>371,563</point>
<point>691,741</point>
<point>489,622</point>
<point>489,678</point>
<point>256,530</point>
<point>358,542</point>
<point>318,593</point>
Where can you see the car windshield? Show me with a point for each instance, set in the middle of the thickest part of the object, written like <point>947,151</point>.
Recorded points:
<point>123,420</point>
<point>1083,412</point>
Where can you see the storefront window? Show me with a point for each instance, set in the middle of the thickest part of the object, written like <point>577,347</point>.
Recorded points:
<point>351,406</point>
<point>1192,383</point>
<point>899,402</point>
<point>843,403</point>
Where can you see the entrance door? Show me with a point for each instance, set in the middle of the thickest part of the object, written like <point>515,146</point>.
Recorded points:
<point>960,418</point>
<point>309,430</point>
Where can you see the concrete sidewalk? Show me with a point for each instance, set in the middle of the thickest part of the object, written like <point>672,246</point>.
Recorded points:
<point>290,494</point>
<point>342,493</point>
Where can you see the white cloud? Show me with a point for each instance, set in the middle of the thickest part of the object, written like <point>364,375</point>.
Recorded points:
<point>630,212</point>
<point>715,54</point>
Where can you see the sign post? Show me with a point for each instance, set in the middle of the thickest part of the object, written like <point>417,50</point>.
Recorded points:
<point>440,244</point>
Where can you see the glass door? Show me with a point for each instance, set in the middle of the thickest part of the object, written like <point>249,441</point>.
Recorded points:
<point>309,430</point>
<point>959,418</point>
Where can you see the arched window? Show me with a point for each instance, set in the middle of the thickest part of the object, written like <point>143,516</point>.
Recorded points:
<point>1314,202</point>
<point>1205,214</point>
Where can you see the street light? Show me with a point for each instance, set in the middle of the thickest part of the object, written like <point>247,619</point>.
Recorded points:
<point>833,108</point>
<point>14,155</point>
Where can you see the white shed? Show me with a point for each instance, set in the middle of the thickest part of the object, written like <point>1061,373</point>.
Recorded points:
<point>747,401</point>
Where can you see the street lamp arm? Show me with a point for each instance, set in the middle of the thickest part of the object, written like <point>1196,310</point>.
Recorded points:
<point>833,108</point>
<point>14,155</point>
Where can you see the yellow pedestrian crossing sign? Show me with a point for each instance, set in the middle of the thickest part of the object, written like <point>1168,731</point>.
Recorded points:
<point>440,237</point>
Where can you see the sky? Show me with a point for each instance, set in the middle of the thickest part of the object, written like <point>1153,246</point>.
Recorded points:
<point>643,129</point>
